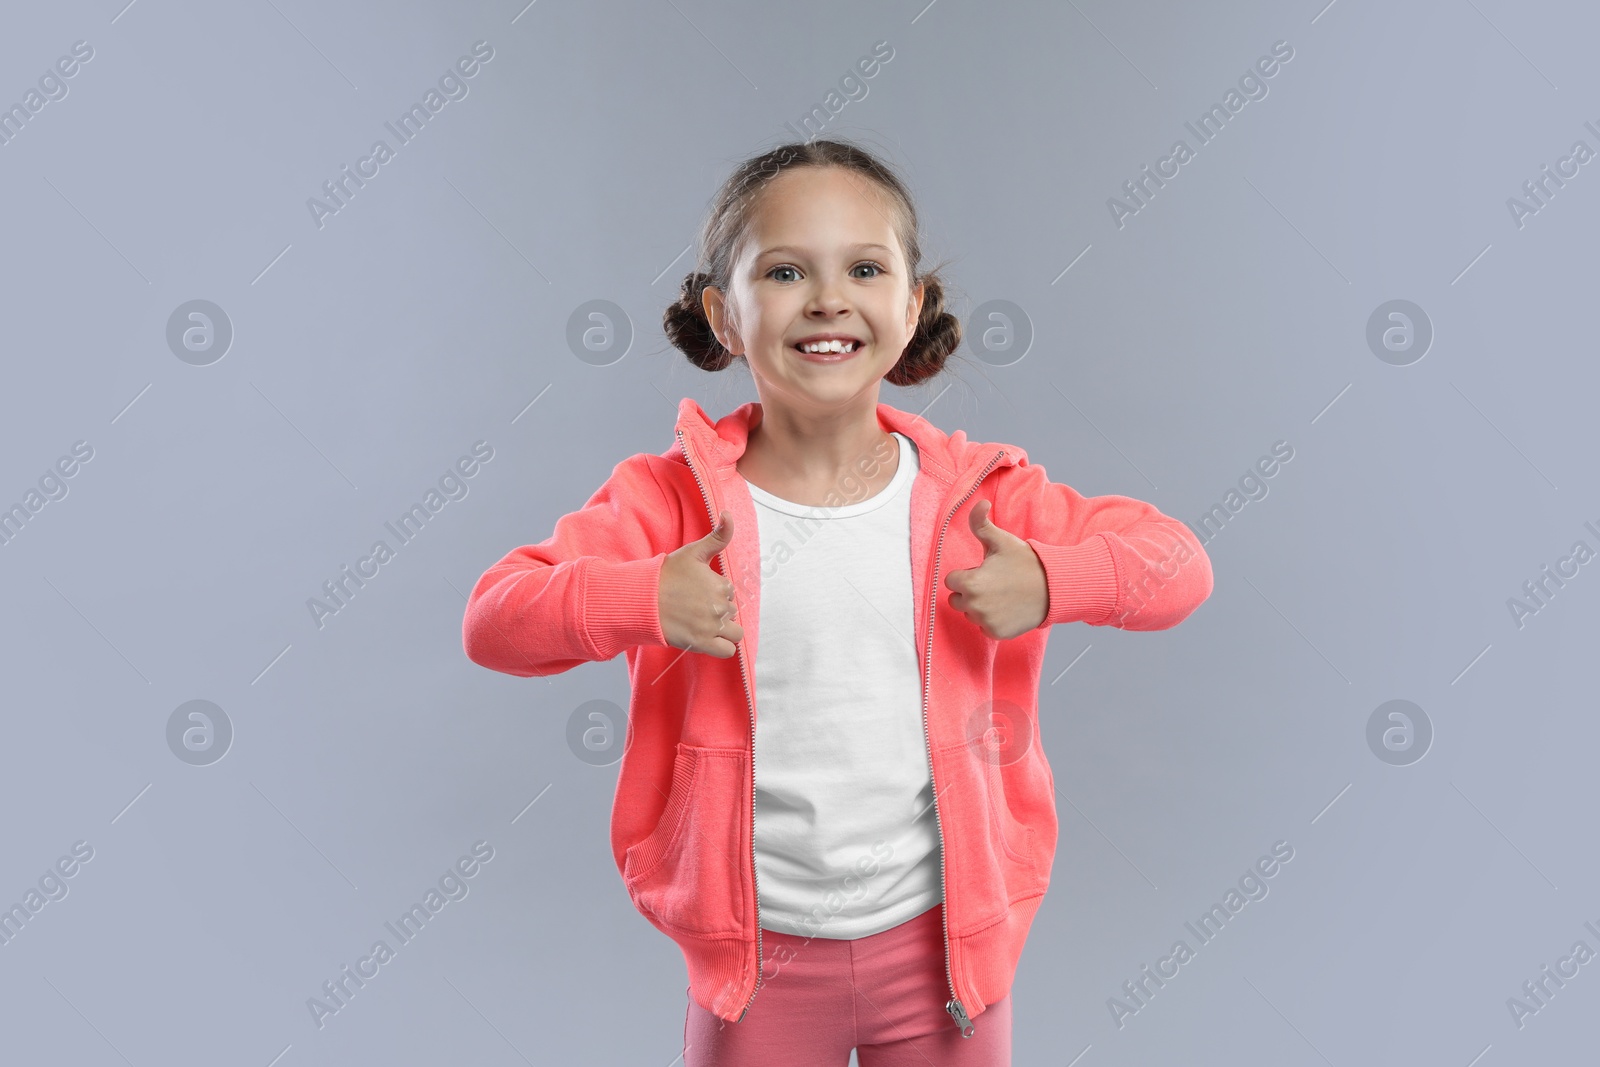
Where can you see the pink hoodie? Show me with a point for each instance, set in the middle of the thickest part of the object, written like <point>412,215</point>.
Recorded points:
<point>683,815</point>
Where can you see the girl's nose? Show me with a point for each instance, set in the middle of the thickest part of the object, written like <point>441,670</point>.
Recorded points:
<point>829,299</point>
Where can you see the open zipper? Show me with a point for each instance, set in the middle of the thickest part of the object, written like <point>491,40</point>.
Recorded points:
<point>958,1012</point>
<point>750,702</point>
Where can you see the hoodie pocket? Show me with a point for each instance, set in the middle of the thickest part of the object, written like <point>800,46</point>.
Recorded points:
<point>689,872</point>
<point>994,851</point>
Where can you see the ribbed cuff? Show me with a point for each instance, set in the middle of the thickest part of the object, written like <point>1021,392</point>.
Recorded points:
<point>1082,580</point>
<point>621,604</point>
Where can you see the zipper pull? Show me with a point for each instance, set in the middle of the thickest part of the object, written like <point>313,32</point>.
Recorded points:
<point>959,1014</point>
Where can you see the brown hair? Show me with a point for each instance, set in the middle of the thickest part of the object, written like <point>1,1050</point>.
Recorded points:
<point>938,332</point>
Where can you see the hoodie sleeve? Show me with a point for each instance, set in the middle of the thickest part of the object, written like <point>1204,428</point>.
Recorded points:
<point>1108,560</point>
<point>586,593</point>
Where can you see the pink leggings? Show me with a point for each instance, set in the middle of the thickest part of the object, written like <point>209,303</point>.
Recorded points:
<point>882,995</point>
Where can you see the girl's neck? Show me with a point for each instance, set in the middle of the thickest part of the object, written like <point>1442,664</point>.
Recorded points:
<point>788,453</point>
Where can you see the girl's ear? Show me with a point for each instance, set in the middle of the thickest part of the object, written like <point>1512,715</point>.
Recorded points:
<point>714,304</point>
<point>914,307</point>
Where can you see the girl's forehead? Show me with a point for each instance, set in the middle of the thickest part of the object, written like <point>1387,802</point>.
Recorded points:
<point>834,238</point>
<point>810,248</point>
<point>823,191</point>
<point>821,212</point>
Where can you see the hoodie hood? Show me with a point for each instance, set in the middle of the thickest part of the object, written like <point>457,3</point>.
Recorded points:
<point>952,457</point>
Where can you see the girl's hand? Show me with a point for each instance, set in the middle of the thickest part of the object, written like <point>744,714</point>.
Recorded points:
<point>696,608</point>
<point>1006,594</point>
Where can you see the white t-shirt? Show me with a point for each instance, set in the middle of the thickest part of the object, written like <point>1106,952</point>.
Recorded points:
<point>845,838</point>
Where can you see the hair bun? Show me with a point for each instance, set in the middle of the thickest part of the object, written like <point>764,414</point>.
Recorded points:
<point>688,328</point>
<point>938,334</point>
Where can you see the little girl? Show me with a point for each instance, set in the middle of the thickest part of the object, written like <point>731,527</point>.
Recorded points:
<point>833,796</point>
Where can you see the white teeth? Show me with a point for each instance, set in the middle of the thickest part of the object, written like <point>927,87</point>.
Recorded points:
<point>828,346</point>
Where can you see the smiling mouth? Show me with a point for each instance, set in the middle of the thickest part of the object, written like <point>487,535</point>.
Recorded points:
<point>829,351</point>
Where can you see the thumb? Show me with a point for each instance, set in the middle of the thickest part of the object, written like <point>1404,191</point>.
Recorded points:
<point>715,541</point>
<point>983,529</point>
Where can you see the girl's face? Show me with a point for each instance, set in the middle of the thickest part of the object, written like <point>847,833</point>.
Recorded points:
<point>821,258</point>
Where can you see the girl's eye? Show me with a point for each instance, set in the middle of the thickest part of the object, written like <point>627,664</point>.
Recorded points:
<point>876,270</point>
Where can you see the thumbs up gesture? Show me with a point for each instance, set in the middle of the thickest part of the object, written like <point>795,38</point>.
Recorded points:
<point>696,603</point>
<point>1006,594</point>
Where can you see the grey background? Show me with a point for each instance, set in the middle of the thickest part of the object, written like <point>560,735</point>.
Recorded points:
<point>432,312</point>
